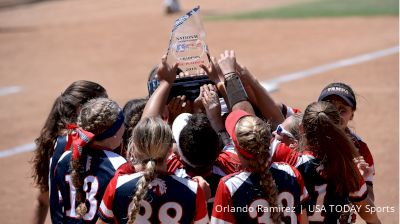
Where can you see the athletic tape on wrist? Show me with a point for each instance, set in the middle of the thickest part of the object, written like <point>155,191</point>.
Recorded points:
<point>235,90</point>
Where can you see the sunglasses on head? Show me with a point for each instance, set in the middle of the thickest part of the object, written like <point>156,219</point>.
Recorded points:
<point>281,131</point>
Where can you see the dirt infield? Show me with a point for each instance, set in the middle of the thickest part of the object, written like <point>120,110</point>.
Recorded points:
<point>46,46</point>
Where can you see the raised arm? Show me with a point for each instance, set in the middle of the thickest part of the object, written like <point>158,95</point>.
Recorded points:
<point>237,97</point>
<point>215,74</point>
<point>260,96</point>
<point>156,104</point>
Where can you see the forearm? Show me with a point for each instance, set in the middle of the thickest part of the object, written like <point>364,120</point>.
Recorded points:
<point>41,207</point>
<point>155,105</point>
<point>369,215</point>
<point>259,96</point>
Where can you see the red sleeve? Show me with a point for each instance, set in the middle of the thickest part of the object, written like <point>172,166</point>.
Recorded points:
<point>125,168</point>
<point>173,163</point>
<point>303,191</point>
<point>228,162</point>
<point>366,153</point>
<point>360,194</point>
<point>105,209</point>
<point>282,153</point>
<point>201,215</point>
<point>222,203</point>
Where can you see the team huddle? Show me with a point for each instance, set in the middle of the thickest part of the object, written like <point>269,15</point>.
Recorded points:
<point>232,155</point>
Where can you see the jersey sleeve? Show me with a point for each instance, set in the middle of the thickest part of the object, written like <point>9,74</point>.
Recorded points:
<point>282,153</point>
<point>360,194</point>
<point>228,161</point>
<point>300,181</point>
<point>223,201</point>
<point>173,163</point>
<point>105,212</point>
<point>366,153</point>
<point>201,215</point>
<point>125,168</point>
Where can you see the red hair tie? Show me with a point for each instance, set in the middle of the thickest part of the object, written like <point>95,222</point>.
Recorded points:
<point>77,139</point>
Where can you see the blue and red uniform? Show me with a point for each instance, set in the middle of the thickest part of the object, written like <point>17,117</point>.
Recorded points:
<point>325,203</point>
<point>240,198</point>
<point>226,163</point>
<point>364,152</point>
<point>170,199</point>
<point>99,168</point>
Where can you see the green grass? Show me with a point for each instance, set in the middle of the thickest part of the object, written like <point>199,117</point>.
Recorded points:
<point>322,8</point>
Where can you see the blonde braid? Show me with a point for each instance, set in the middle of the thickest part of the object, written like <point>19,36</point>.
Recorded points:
<point>150,143</point>
<point>254,135</point>
<point>142,188</point>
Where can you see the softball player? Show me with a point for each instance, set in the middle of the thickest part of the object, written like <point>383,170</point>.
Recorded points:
<point>52,139</point>
<point>195,136</point>
<point>328,152</point>
<point>151,195</point>
<point>260,193</point>
<point>343,97</point>
<point>82,173</point>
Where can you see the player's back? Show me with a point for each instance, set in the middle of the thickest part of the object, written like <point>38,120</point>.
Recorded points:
<point>247,203</point>
<point>99,168</point>
<point>325,203</point>
<point>170,199</point>
<point>292,194</point>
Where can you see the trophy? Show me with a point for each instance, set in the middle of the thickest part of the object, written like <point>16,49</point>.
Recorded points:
<point>187,44</point>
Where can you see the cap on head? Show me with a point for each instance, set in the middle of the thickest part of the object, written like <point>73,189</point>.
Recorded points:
<point>341,90</point>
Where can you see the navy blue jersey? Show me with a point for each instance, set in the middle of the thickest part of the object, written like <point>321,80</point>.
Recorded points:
<point>240,199</point>
<point>227,162</point>
<point>100,167</point>
<point>325,205</point>
<point>59,149</point>
<point>170,199</point>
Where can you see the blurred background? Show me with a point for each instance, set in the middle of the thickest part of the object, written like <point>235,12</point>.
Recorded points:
<point>46,45</point>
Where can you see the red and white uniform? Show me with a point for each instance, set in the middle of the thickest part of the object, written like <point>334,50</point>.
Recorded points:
<point>170,199</point>
<point>240,199</point>
<point>227,162</point>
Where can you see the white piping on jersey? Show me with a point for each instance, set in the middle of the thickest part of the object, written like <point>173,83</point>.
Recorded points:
<point>64,155</point>
<point>371,176</point>
<point>218,221</point>
<point>236,181</point>
<point>189,183</point>
<point>229,148</point>
<point>288,169</point>
<point>109,213</point>
<point>303,159</point>
<point>181,173</point>
<point>284,167</point>
<point>125,178</point>
<point>359,193</point>
<point>274,146</point>
<point>115,159</point>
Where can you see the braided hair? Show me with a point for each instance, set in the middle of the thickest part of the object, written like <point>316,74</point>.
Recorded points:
<point>254,135</point>
<point>96,116</point>
<point>151,140</point>
<point>133,111</point>
<point>63,112</point>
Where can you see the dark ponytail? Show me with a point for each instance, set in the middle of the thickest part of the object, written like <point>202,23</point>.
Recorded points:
<point>327,139</point>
